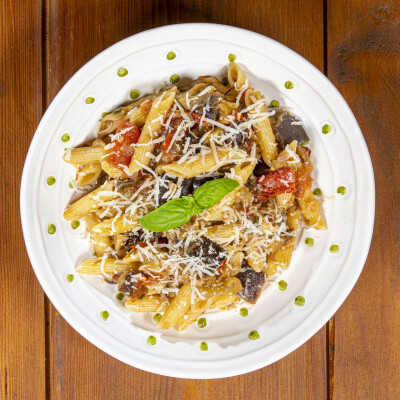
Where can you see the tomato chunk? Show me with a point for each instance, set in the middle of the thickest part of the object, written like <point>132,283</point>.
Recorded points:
<point>121,150</point>
<point>280,181</point>
<point>303,180</point>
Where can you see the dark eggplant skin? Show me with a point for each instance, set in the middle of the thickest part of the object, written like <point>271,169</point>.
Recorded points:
<point>209,252</point>
<point>252,282</point>
<point>130,285</point>
<point>286,132</point>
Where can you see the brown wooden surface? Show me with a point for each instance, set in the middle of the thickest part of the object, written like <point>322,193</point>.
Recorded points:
<point>43,43</point>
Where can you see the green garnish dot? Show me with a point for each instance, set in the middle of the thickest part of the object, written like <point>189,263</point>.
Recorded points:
<point>203,346</point>
<point>119,296</point>
<point>71,184</point>
<point>282,285</point>
<point>231,247</point>
<point>89,100</point>
<point>309,242</point>
<point>51,180</point>
<point>274,103</point>
<point>232,57</point>
<point>104,315</point>
<point>300,301</point>
<point>254,335</point>
<point>122,72</point>
<point>244,312</point>
<point>326,129</point>
<point>289,85</point>
<point>51,229</point>
<point>117,111</point>
<point>151,340</point>
<point>69,278</point>
<point>171,55</point>
<point>75,224</point>
<point>341,190</point>
<point>157,317</point>
<point>65,138</point>
<point>104,114</point>
<point>135,93</point>
<point>225,81</point>
<point>317,192</point>
<point>175,78</point>
<point>202,323</point>
<point>305,143</point>
<point>65,148</point>
<point>334,248</point>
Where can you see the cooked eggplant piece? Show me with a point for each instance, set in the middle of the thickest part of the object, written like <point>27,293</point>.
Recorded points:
<point>130,284</point>
<point>209,102</point>
<point>261,169</point>
<point>209,252</point>
<point>288,129</point>
<point>133,237</point>
<point>252,282</point>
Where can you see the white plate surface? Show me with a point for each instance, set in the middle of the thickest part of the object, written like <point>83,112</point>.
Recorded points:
<point>324,279</point>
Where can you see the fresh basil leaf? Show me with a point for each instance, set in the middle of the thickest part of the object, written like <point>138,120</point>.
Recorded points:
<point>210,193</point>
<point>170,215</point>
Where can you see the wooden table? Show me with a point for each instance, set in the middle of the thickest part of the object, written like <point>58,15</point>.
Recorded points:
<point>356,44</point>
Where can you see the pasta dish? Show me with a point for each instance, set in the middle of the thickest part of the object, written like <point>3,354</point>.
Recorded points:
<point>194,196</point>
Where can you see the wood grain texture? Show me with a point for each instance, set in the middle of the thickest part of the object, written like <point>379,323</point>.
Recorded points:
<point>364,63</point>
<point>76,32</point>
<point>22,341</point>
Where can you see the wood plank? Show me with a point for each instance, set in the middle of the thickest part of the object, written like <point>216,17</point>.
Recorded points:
<point>22,341</point>
<point>364,63</point>
<point>78,31</point>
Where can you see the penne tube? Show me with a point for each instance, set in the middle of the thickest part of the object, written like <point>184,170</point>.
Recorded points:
<point>84,155</point>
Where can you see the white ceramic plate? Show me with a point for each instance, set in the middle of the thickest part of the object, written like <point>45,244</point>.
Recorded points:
<point>324,279</point>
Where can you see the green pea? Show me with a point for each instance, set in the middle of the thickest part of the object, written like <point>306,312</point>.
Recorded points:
<point>119,296</point>
<point>282,285</point>
<point>51,180</point>
<point>203,346</point>
<point>202,323</point>
<point>175,78</point>
<point>309,242</point>
<point>69,278</point>
<point>135,93</point>
<point>244,312</point>
<point>104,114</point>
<point>326,129</point>
<point>65,138</point>
<point>89,100</point>
<point>300,301</point>
<point>157,317</point>
<point>75,224</point>
<point>289,85</point>
<point>274,103</point>
<point>317,192</point>
<point>225,81</point>
<point>232,57</point>
<point>151,340</point>
<point>51,229</point>
<point>71,184</point>
<point>254,335</point>
<point>341,190</point>
<point>171,55</point>
<point>334,248</point>
<point>122,72</point>
<point>104,315</point>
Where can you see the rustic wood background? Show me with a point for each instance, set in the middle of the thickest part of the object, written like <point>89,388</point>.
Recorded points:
<point>356,43</point>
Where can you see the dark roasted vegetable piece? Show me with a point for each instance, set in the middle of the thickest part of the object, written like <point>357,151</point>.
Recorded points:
<point>133,237</point>
<point>261,169</point>
<point>130,283</point>
<point>210,102</point>
<point>286,132</point>
<point>252,282</point>
<point>209,252</point>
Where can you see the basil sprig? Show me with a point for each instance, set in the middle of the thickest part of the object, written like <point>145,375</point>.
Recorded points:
<point>178,212</point>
